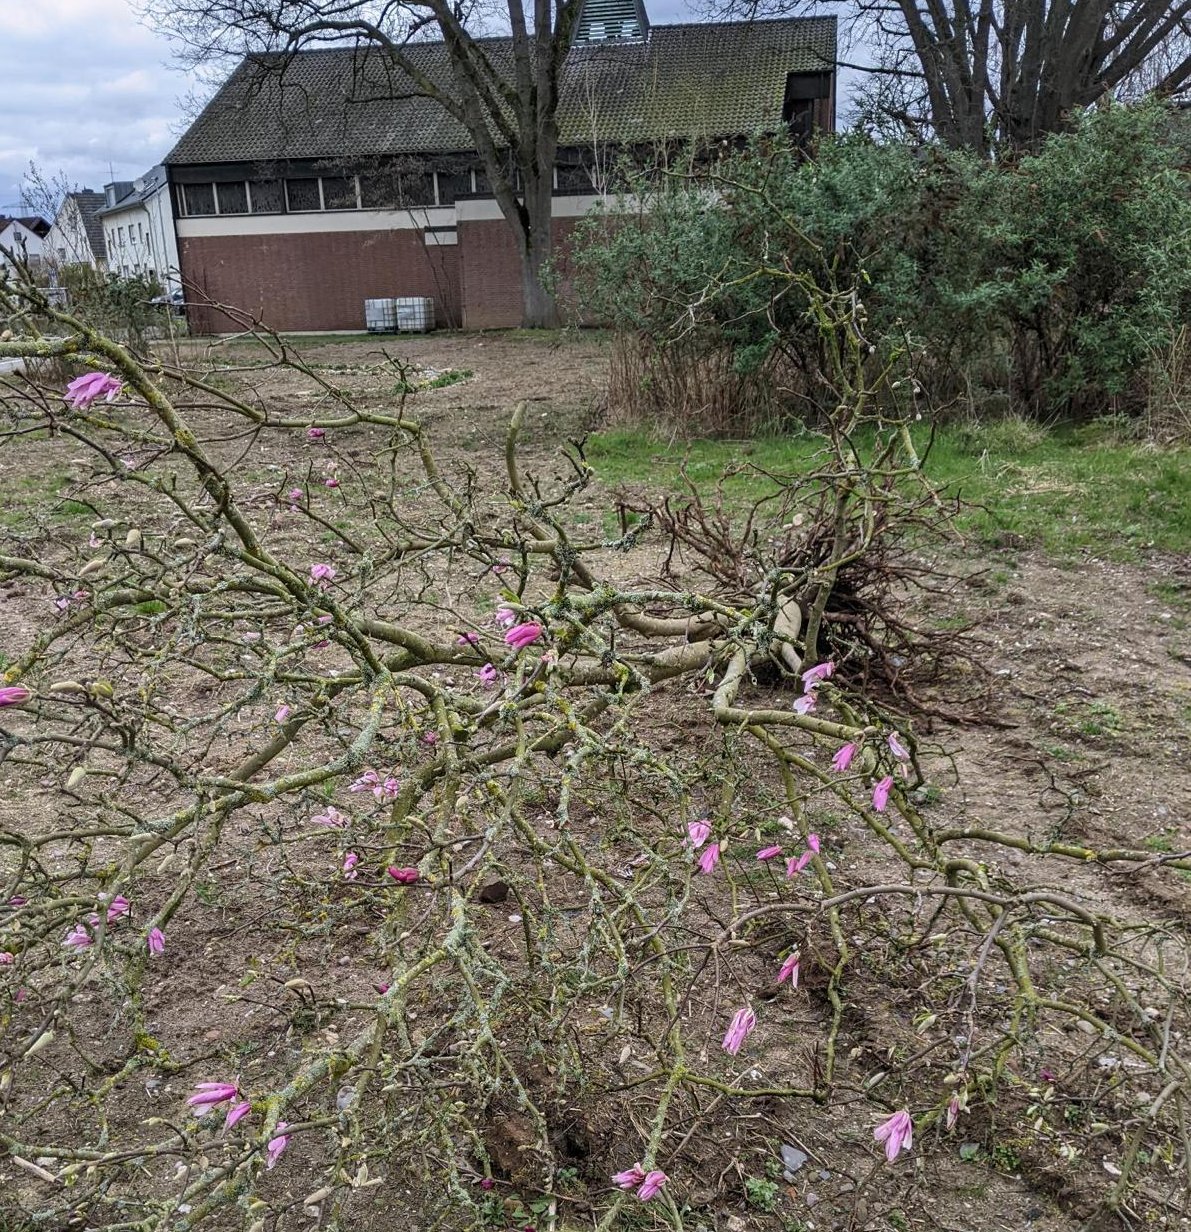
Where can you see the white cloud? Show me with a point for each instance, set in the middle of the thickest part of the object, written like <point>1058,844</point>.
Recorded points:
<point>89,93</point>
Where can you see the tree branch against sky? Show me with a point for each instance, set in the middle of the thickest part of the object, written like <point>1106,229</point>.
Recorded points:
<point>1007,72</point>
<point>507,101</point>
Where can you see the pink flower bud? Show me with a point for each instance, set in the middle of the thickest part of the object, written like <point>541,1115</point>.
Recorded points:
<point>403,876</point>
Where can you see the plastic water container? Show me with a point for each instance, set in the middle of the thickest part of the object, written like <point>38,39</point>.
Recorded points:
<point>415,316</point>
<point>380,316</point>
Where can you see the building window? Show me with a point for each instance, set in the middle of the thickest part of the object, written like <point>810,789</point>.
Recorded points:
<point>379,192</point>
<point>339,192</point>
<point>232,198</point>
<point>302,196</point>
<point>198,200</point>
<point>266,196</point>
<point>397,190</point>
<point>572,178</point>
<point>453,184</point>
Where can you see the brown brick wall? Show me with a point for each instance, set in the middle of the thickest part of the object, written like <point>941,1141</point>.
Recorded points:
<point>317,280</point>
<point>490,272</point>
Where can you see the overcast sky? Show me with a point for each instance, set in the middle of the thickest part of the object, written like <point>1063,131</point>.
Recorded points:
<point>90,94</point>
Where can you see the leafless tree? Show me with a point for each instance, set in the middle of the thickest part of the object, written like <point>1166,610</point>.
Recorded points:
<point>988,73</point>
<point>505,94</point>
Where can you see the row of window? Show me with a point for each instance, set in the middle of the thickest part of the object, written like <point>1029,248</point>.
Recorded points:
<point>396,190</point>
<point>115,235</point>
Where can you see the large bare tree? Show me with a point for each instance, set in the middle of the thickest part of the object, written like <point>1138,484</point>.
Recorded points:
<point>505,94</point>
<point>988,73</point>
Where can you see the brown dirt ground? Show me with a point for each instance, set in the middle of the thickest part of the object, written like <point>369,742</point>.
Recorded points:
<point>1091,744</point>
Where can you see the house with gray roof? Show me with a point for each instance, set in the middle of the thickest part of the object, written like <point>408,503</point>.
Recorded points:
<point>23,238</point>
<point>315,180</point>
<point>76,236</point>
<point>138,229</point>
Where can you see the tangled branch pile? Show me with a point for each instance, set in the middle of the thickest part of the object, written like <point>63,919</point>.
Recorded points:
<point>372,842</point>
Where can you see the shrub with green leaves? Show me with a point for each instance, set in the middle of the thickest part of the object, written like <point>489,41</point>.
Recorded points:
<point>1046,284</point>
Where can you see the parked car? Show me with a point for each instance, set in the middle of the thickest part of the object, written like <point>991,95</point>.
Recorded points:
<point>175,301</point>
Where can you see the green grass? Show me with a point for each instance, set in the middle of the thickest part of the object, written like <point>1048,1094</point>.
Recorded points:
<point>1066,490</point>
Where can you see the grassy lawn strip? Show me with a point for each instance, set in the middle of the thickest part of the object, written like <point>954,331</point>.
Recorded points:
<point>1065,489</point>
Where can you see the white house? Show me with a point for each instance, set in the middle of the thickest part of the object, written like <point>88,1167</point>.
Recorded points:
<point>76,238</point>
<point>138,228</point>
<point>25,238</point>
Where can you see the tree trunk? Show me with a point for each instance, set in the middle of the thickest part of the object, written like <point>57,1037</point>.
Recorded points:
<point>539,307</point>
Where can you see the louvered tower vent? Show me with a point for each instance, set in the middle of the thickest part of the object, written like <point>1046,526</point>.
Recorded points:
<point>612,21</point>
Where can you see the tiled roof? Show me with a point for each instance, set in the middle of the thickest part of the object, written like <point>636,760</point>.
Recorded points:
<point>89,204</point>
<point>33,223</point>
<point>151,182</point>
<point>698,80</point>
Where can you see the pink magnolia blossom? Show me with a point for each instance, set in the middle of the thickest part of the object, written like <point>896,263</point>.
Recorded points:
<point>815,676</point>
<point>805,704</point>
<point>383,789</point>
<point>90,387</point>
<point>117,908</point>
<point>156,941</point>
<point>294,495</point>
<point>322,575</point>
<point>316,434</point>
<point>710,858</point>
<point>651,1186</point>
<point>505,616</point>
<point>630,1178</point>
<point>812,841</point>
<point>237,1113</point>
<point>430,738</point>
<point>843,759</point>
<point>283,713</point>
<point>403,876</point>
<point>467,639</point>
<point>349,865</point>
<point>795,864</point>
<point>486,1183</point>
<point>488,675</point>
<point>743,1021</point>
<point>333,819</point>
<point>952,1111</point>
<point>881,793</point>
<point>896,747</point>
<point>7,958</point>
<point>698,833</point>
<point>14,695</point>
<point>1046,1075</point>
<point>897,1134</point>
<point>276,1146</point>
<point>520,636</point>
<point>767,853</point>
<point>331,483</point>
<point>208,1094</point>
<point>789,970</point>
<point>78,938</point>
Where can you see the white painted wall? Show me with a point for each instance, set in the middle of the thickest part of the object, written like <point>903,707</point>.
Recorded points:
<point>140,239</point>
<point>19,239</point>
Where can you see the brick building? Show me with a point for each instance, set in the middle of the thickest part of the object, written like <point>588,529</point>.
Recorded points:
<point>311,184</point>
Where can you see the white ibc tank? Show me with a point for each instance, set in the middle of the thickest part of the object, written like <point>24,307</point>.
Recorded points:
<point>380,316</point>
<point>415,316</point>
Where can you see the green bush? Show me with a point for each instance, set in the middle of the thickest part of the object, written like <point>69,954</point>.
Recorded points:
<point>1042,285</point>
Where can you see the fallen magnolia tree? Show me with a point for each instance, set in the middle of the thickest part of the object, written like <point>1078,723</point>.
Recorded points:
<point>248,733</point>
